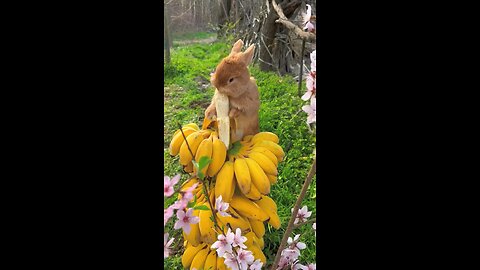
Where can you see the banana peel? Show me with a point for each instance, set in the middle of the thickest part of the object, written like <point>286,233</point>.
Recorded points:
<point>222,106</point>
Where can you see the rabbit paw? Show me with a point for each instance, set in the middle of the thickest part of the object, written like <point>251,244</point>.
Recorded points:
<point>211,113</point>
<point>234,113</point>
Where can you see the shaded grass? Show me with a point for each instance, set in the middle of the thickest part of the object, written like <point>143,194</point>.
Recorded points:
<point>280,112</point>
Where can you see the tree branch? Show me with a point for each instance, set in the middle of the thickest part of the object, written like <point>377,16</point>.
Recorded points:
<point>294,213</point>
<point>291,26</point>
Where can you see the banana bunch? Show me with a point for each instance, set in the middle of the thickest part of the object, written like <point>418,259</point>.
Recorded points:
<point>251,167</point>
<point>201,142</point>
<point>242,175</point>
<point>245,214</point>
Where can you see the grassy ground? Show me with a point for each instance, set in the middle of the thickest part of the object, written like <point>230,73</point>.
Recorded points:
<point>187,93</point>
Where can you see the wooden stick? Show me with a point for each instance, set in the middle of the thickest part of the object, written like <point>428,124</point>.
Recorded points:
<point>295,211</point>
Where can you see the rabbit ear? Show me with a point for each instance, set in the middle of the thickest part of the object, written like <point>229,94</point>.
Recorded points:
<point>247,56</point>
<point>237,47</point>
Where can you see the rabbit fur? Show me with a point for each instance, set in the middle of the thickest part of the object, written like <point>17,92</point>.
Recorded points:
<point>232,78</point>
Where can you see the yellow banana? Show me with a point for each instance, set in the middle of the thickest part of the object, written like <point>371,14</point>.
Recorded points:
<point>206,225</point>
<point>261,243</point>
<point>235,221</point>
<point>178,140</point>
<point>254,194</point>
<point>270,207</point>
<point>190,182</point>
<point>211,261</point>
<point>193,237</point>
<point>265,136</point>
<point>218,157</point>
<point>258,227</point>
<point>247,138</point>
<point>250,238</point>
<point>188,168</point>
<point>211,196</point>
<point>192,125</point>
<point>242,174</point>
<point>190,253</point>
<point>265,163</point>
<point>257,252</point>
<point>258,176</point>
<point>221,263</point>
<point>193,141</point>
<point>204,149</point>
<point>247,208</point>
<point>273,147</point>
<point>267,153</point>
<point>272,178</point>
<point>225,184</point>
<point>199,260</point>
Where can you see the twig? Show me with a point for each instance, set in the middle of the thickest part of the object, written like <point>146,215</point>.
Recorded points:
<point>294,214</point>
<point>291,26</point>
<point>185,138</point>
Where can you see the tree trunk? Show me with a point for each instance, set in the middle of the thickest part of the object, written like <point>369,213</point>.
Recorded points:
<point>223,14</point>
<point>268,46</point>
<point>166,34</point>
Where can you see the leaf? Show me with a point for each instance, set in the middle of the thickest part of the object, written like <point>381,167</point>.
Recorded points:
<point>203,162</point>
<point>201,207</point>
<point>191,204</point>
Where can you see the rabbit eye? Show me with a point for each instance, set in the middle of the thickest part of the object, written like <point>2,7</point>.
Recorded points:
<point>231,80</point>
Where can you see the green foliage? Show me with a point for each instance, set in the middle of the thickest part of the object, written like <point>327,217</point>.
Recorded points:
<point>192,35</point>
<point>280,113</point>
<point>201,207</point>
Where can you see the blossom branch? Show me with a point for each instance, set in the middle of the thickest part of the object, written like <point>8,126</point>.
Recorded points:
<point>289,229</point>
<point>305,222</point>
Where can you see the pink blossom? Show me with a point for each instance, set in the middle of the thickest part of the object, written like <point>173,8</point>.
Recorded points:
<point>168,185</point>
<point>166,245</point>
<point>311,87</point>
<point>311,110</point>
<point>302,215</point>
<point>224,243</point>
<point>186,196</point>
<point>185,219</point>
<point>312,266</point>
<point>290,254</point>
<point>307,16</point>
<point>256,265</point>
<point>231,261</point>
<point>313,61</point>
<point>244,258</point>
<point>295,243</point>
<point>238,239</point>
<point>167,214</point>
<point>221,207</point>
<point>314,226</point>
<point>309,27</point>
<point>283,262</point>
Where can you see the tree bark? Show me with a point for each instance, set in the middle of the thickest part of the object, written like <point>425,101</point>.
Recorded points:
<point>223,14</point>
<point>166,34</point>
<point>268,47</point>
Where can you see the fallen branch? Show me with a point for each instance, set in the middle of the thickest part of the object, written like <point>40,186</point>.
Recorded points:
<point>291,26</point>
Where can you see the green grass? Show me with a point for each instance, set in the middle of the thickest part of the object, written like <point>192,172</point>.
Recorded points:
<point>192,35</point>
<point>280,112</point>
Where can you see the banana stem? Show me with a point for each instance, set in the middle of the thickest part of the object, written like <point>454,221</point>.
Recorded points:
<point>289,230</point>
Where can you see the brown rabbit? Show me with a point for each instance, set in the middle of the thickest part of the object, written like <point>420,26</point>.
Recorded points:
<point>232,78</point>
